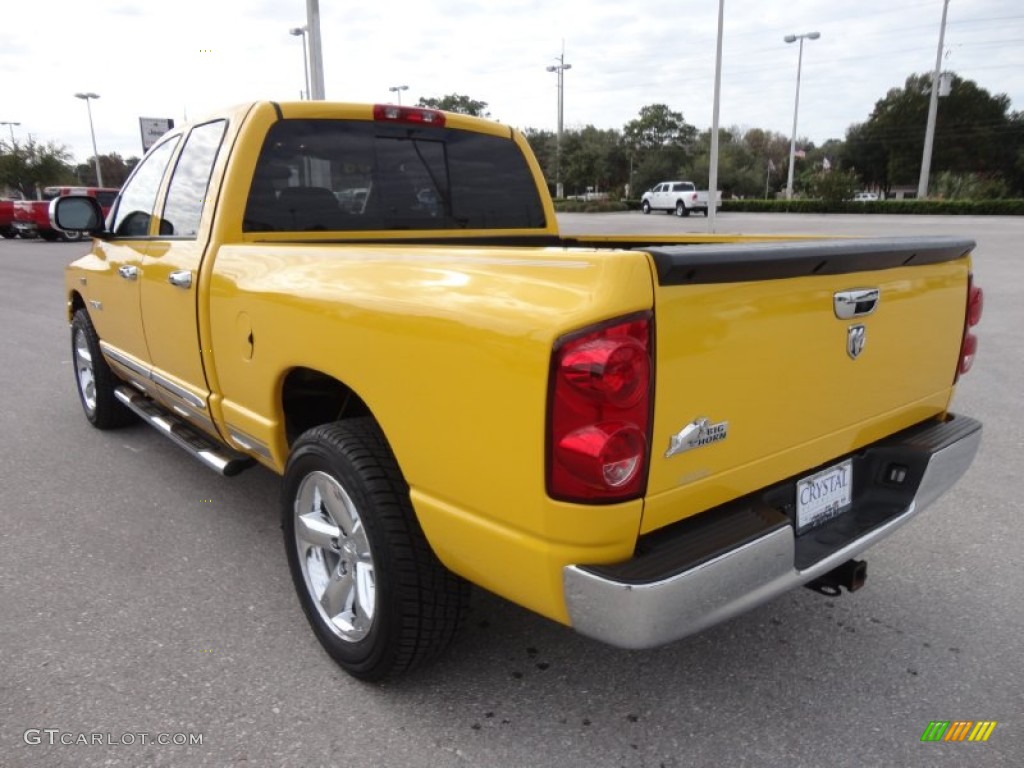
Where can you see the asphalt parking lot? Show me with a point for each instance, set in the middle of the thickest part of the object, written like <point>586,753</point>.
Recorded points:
<point>142,594</point>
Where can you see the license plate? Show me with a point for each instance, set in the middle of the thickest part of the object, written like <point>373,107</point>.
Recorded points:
<point>824,495</point>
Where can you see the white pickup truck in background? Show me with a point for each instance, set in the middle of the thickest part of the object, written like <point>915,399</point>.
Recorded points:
<point>678,197</point>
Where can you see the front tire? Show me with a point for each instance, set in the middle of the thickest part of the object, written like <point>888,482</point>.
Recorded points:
<point>94,379</point>
<point>376,596</point>
<point>645,207</point>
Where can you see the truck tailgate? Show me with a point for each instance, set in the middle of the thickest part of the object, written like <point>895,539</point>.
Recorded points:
<point>774,359</point>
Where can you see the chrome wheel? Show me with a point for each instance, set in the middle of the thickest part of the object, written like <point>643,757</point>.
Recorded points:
<point>375,595</point>
<point>335,557</point>
<point>84,371</point>
<point>95,382</point>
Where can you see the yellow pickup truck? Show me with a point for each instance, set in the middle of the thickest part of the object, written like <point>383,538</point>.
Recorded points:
<point>635,436</point>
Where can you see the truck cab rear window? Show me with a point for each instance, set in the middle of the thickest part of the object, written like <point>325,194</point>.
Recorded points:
<point>331,175</point>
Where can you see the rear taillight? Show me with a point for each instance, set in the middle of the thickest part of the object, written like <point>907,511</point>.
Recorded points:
<point>969,345</point>
<point>600,412</point>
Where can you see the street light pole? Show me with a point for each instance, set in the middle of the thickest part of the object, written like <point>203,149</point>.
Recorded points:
<point>397,89</point>
<point>316,56</point>
<point>560,70</point>
<point>933,111</point>
<point>95,154</point>
<point>796,105</point>
<point>301,31</point>
<point>712,208</point>
<point>11,126</point>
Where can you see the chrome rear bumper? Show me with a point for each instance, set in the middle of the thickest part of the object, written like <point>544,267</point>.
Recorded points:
<point>643,605</point>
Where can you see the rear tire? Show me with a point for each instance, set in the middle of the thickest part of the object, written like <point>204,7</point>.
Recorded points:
<point>681,209</point>
<point>94,379</point>
<point>377,598</point>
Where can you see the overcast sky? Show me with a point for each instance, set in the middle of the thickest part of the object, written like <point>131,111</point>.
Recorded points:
<point>190,57</point>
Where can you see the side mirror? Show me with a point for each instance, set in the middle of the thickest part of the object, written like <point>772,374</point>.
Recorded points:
<point>76,213</point>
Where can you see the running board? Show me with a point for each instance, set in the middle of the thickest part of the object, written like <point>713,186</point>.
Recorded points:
<point>217,457</point>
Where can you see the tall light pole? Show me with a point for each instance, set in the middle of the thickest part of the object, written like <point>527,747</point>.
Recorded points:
<point>95,154</point>
<point>316,56</point>
<point>796,105</point>
<point>560,70</point>
<point>301,32</point>
<point>397,90</point>
<point>11,126</point>
<point>933,111</point>
<point>712,208</point>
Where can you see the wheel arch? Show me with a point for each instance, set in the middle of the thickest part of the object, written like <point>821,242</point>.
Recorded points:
<point>310,397</point>
<point>75,303</point>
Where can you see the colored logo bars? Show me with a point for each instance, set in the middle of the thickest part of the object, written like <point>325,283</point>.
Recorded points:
<point>958,730</point>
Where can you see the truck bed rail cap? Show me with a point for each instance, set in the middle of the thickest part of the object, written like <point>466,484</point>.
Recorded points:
<point>733,263</point>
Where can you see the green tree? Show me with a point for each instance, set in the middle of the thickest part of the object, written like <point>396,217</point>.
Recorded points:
<point>456,102</point>
<point>770,151</point>
<point>545,146</point>
<point>115,170</point>
<point>661,141</point>
<point>26,166</point>
<point>974,133</point>
<point>592,157</point>
<point>833,185</point>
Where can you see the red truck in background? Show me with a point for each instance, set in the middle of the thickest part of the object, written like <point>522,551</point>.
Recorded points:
<point>7,219</point>
<point>31,218</point>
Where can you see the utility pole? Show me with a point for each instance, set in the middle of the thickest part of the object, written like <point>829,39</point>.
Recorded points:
<point>560,70</point>
<point>933,111</point>
<point>11,126</point>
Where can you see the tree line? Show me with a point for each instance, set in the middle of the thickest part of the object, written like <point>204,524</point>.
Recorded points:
<point>26,167</point>
<point>978,151</point>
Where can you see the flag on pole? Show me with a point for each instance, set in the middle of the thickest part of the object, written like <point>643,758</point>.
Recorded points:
<point>800,153</point>
<point>826,164</point>
<point>771,166</point>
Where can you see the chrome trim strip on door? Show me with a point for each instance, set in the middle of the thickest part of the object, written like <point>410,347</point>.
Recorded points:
<point>178,391</point>
<point>161,381</point>
<point>125,360</point>
<point>250,443</point>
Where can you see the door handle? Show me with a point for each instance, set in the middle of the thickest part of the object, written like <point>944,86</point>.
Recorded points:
<point>181,279</point>
<point>849,304</point>
<point>128,272</point>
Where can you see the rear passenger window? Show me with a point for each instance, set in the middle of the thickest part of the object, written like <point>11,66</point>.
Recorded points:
<point>324,175</point>
<point>187,192</point>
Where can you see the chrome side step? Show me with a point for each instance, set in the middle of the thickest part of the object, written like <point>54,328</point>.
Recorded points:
<point>217,457</point>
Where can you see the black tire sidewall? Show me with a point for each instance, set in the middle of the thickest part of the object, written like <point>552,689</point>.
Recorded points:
<point>361,658</point>
<point>109,413</point>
